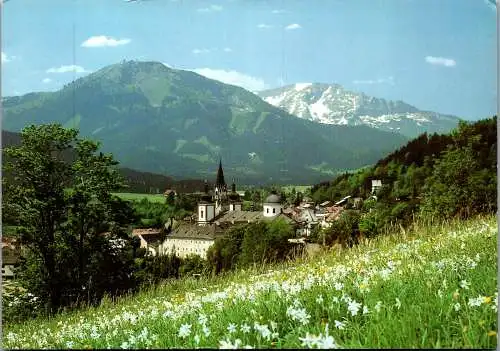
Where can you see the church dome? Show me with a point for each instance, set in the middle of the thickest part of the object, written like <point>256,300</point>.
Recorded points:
<point>235,197</point>
<point>206,198</point>
<point>273,199</point>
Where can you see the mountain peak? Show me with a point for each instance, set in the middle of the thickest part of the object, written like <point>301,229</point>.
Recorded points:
<point>332,104</point>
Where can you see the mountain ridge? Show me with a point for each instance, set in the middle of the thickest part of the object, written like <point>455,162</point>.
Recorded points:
<point>333,104</point>
<point>167,121</point>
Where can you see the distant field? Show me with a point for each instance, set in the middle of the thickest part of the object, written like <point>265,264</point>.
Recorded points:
<point>298,188</point>
<point>139,197</point>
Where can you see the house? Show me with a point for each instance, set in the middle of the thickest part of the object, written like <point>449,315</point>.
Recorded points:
<point>189,239</point>
<point>307,202</point>
<point>150,239</point>
<point>307,221</point>
<point>376,185</point>
<point>333,214</point>
<point>343,201</point>
<point>169,192</point>
<point>11,252</point>
<point>325,204</point>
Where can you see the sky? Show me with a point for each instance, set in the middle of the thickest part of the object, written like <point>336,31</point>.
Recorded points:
<point>437,55</point>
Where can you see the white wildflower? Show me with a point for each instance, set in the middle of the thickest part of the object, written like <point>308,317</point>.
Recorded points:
<point>206,331</point>
<point>227,344</point>
<point>184,330</point>
<point>338,286</point>
<point>353,307</point>
<point>245,328</point>
<point>475,302</point>
<point>124,345</point>
<point>309,340</point>
<point>457,306</point>
<point>328,342</point>
<point>464,284</point>
<point>69,344</point>
<point>231,328</point>
<point>398,303</point>
<point>274,325</point>
<point>365,309</point>
<point>202,319</point>
<point>339,325</point>
<point>263,330</point>
<point>319,299</point>
<point>298,314</point>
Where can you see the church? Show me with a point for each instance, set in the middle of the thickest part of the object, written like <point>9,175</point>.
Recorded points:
<point>218,209</point>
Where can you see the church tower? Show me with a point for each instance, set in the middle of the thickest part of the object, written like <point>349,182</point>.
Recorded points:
<point>206,208</point>
<point>220,189</point>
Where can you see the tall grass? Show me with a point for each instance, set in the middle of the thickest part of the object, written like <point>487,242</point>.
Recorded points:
<point>432,286</point>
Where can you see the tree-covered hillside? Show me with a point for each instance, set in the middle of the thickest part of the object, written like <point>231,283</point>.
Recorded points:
<point>136,181</point>
<point>433,175</point>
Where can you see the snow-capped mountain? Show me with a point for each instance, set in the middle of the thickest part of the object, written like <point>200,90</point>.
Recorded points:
<point>332,104</point>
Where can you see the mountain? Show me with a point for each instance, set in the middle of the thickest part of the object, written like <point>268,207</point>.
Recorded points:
<point>332,104</point>
<point>175,122</point>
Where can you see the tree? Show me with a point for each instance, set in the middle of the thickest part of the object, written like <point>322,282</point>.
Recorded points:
<point>459,186</point>
<point>61,191</point>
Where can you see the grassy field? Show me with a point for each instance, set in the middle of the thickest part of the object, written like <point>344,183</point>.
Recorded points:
<point>298,188</point>
<point>428,287</point>
<point>139,197</point>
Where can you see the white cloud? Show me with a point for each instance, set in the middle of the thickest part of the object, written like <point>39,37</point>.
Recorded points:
<point>440,61</point>
<point>228,50</point>
<point>200,51</point>
<point>264,26</point>
<point>388,80</point>
<point>277,11</point>
<point>293,26</point>
<point>66,69</point>
<point>46,81</point>
<point>100,41</point>
<point>211,8</point>
<point>5,58</point>
<point>233,78</point>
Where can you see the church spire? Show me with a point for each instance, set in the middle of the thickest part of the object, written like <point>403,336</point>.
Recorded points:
<point>220,182</point>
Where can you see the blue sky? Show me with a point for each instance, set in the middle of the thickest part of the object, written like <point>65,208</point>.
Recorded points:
<point>437,55</point>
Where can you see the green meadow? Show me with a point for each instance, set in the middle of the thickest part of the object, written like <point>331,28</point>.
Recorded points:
<point>431,286</point>
<point>138,197</point>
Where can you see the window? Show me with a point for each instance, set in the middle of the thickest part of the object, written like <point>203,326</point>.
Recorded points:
<point>274,210</point>
<point>267,210</point>
<point>201,214</point>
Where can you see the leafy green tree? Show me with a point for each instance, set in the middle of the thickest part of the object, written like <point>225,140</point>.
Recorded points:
<point>170,200</point>
<point>458,186</point>
<point>61,192</point>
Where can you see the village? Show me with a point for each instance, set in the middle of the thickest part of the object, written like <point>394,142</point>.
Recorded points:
<point>218,209</point>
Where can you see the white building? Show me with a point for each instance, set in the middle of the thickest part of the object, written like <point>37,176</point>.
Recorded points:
<point>376,185</point>
<point>217,210</point>
<point>272,205</point>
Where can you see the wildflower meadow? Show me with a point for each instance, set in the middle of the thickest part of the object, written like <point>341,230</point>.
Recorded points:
<point>432,286</point>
